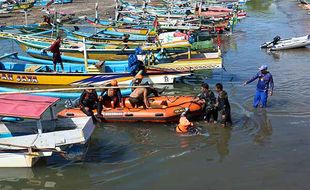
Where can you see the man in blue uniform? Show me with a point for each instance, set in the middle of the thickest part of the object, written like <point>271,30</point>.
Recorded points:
<point>265,81</point>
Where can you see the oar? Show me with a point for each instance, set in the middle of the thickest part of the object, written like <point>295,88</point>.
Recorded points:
<point>69,89</point>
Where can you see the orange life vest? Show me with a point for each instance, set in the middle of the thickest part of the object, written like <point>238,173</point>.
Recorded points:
<point>183,125</point>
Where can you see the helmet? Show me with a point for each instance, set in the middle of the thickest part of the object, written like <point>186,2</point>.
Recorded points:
<point>114,83</point>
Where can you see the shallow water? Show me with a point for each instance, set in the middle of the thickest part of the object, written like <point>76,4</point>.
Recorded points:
<point>265,149</point>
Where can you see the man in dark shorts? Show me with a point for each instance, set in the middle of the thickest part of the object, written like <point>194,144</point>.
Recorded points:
<point>55,49</point>
<point>139,98</point>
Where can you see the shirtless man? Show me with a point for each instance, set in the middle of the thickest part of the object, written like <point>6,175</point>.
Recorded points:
<point>139,97</point>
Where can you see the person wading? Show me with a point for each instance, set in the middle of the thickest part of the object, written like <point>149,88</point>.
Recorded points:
<point>265,80</point>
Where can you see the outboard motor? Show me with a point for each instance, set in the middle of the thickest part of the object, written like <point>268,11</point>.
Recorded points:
<point>276,39</point>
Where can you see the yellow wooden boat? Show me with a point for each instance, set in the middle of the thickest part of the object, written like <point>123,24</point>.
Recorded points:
<point>109,53</point>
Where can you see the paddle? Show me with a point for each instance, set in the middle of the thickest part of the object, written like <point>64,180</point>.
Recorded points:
<point>69,89</point>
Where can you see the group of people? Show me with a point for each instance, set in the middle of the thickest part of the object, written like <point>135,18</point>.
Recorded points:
<point>212,108</point>
<point>111,97</point>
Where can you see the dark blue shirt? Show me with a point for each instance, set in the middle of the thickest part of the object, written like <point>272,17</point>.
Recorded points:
<point>264,80</point>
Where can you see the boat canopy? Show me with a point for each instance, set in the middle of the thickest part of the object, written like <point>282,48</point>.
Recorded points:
<point>25,106</point>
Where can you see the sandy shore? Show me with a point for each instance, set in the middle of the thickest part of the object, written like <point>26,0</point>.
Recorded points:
<point>78,7</point>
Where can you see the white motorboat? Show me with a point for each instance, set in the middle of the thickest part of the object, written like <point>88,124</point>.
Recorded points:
<point>37,134</point>
<point>282,44</point>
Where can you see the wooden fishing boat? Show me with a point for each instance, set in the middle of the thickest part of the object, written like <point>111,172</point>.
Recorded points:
<point>209,60</point>
<point>19,5</point>
<point>38,73</point>
<point>59,94</point>
<point>123,30</point>
<point>291,43</point>
<point>164,109</point>
<point>23,143</point>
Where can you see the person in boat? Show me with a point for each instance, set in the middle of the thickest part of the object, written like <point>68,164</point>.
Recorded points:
<point>89,101</point>
<point>47,19</point>
<point>185,126</point>
<point>265,80</point>
<point>111,95</point>
<point>208,100</point>
<point>55,49</point>
<point>223,105</point>
<point>139,98</point>
<point>125,40</point>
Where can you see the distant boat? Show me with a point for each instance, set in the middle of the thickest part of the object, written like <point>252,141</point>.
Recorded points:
<point>283,44</point>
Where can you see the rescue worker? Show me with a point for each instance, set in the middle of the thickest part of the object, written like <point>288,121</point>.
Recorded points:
<point>139,97</point>
<point>55,49</point>
<point>207,98</point>
<point>111,95</point>
<point>265,80</point>
<point>184,125</point>
<point>88,101</point>
<point>223,105</point>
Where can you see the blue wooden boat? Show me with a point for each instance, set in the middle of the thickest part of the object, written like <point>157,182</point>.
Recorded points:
<point>62,95</point>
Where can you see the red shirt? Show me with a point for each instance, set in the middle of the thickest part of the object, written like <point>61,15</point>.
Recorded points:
<point>55,47</point>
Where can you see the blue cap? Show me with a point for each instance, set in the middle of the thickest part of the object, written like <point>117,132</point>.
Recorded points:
<point>263,67</point>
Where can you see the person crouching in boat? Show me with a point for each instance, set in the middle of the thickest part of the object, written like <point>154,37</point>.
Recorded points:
<point>111,96</point>
<point>89,101</point>
<point>55,49</point>
<point>185,126</point>
<point>139,98</point>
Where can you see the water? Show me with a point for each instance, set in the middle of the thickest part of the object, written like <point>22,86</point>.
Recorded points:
<point>266,149</point>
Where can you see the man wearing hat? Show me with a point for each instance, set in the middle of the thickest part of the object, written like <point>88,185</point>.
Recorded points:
<point>264,81</point>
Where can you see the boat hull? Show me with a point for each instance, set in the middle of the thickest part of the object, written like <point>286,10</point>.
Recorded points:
<point>164,109</point>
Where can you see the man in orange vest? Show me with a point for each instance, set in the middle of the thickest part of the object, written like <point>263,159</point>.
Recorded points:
<point>184,125</point>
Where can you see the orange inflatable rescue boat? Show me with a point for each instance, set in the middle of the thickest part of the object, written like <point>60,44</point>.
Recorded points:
<point>163,109</point>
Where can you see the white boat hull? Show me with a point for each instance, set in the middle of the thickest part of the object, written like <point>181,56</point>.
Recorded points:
<point>78,132</point>
<point>288,43</point>
<point>21,160</point>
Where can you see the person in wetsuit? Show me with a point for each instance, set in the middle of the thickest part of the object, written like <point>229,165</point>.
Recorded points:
<point>223,105</point>
<point>111,96</point>
<point>207,98</point>
<point>265,80</point>
<point>88,101</point>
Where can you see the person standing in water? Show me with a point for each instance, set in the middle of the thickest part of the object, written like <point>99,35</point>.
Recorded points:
<point>223,105</point>
<point>265,80</point>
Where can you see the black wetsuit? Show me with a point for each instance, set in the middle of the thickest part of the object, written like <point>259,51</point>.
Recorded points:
<point>224,108</point>
<point>209,107</point>
<point>89,100</point>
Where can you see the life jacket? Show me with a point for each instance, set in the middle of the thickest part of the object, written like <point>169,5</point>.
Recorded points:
<point>183,125</point>
<point>111,92</point>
